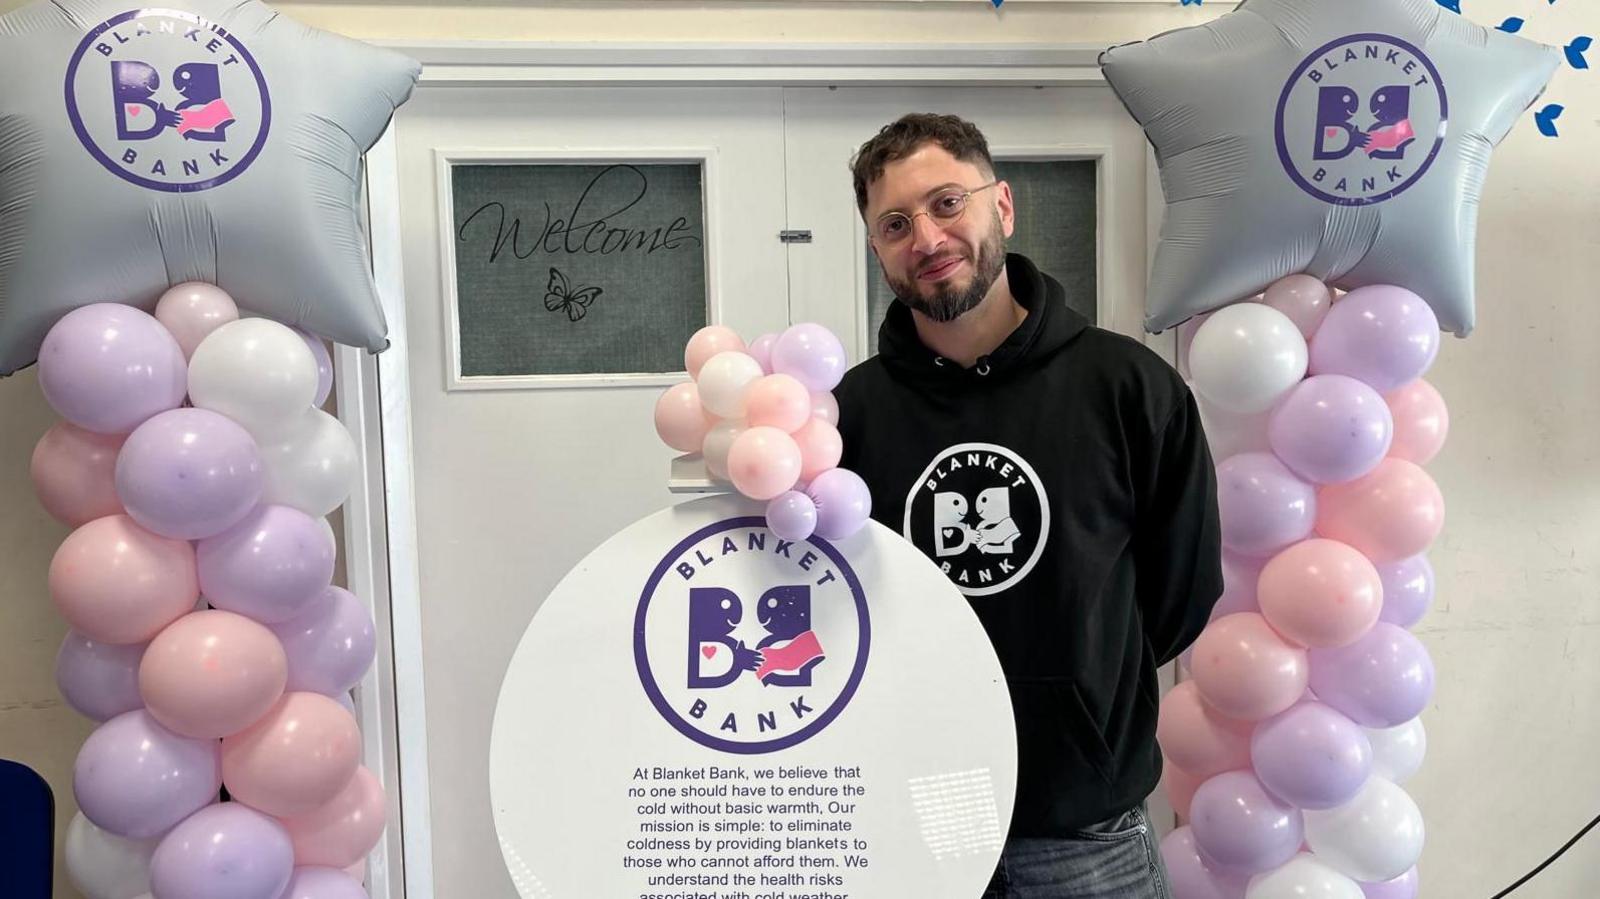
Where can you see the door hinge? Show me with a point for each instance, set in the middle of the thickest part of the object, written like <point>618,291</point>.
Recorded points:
<point>794,236</point>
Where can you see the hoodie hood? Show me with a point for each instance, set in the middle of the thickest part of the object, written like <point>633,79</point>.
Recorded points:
<point>1050,325</point>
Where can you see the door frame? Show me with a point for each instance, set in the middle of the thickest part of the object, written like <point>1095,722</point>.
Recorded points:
<point>375,392</point>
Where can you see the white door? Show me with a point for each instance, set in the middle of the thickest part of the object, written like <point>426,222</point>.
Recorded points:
<point>515,481</point>
<point>514,486</point>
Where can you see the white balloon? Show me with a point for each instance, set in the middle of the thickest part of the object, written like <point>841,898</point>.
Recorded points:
<point>1376,836</point>
<point>1303,877</point>
<point>717,443</point>
<point>1246,356</point>
<point>1397,752</point>
<point>1231,433</point>
<point>311,464</point>
<point>255,371</point>
<point>722,382</point>
<point>103,865</point>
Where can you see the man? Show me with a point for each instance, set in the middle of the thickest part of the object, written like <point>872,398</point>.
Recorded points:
<point>1058,474</point>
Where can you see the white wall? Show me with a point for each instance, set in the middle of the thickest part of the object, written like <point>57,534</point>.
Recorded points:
<point>1514,634</point>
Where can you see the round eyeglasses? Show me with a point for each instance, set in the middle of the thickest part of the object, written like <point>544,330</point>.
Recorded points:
<point>946,208</point>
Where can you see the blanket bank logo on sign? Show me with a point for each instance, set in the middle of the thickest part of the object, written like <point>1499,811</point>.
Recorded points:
<point>1361,119</point>
<point>980,513</point>
<point>748,643</point>
<point>167,100</point>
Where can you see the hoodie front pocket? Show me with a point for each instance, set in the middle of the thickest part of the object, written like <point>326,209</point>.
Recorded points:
<point>1056,738</point>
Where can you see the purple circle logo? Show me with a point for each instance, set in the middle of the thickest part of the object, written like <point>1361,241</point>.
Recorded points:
<point>748,643</point>
<point>1361,119</point>
<point>167,100</point>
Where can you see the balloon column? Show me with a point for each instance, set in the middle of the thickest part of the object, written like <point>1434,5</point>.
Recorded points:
<point>763,417</point>
<point>1286,750</point>
<point>196,468</point>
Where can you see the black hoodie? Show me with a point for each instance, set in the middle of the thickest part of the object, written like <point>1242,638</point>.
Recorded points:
<point>1064,485</point>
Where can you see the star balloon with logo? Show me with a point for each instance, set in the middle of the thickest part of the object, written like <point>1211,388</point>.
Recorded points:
<point>206,140</point>
<point>1346,139</point>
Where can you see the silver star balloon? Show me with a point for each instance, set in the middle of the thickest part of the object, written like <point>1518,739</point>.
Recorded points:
<point>1347,139</point>
<point>209,140</point>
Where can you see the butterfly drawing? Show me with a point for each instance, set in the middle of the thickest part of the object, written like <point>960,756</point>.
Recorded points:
<point>560,297</point>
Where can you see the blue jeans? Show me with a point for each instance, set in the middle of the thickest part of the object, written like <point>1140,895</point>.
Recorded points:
<point>1116,859</point>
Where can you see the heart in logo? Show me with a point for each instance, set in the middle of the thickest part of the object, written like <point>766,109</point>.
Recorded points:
<point>134,110</point>
<point>708,651</point>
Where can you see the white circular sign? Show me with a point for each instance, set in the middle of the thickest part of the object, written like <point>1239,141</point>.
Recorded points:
<point>701,710</point>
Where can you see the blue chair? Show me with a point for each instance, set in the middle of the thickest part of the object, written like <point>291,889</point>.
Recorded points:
<point>27,830</point>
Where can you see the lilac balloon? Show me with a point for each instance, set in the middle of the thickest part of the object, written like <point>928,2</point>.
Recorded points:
<point>330,646</point>
<point>1245,828</point>
<point>1239,578</point>
<point>1407,590</point>
<point>272,566</point>
<point>760,350</point>
<point>322,883</point>
<point>99,680</point>
<point>319,353</point>
<point>1331,429</point>
<point>1188,874</point>
<point>1240,825</point>
<point>792,516</point>
<point>1264,507</point>
<point>1406,886</point>
<point>1382,680</point>
<point>843,503</point>
<point>1382,335</point>
<point>1311,756</point>
<point>108,367</point>
<point>189,474</point>
<point>137,779</point>
<point>812,355</point>
<point>223,851</point>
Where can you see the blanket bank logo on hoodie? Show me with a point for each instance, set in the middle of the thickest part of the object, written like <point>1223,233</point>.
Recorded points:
<point>748,643</point>
<point>980,513</point>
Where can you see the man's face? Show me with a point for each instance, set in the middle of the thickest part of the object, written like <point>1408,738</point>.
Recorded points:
<point>940,269</point>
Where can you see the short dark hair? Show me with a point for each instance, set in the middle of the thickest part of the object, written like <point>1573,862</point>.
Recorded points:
<point>909,133</point>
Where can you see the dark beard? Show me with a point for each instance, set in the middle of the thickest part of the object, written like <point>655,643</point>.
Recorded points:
<point>949,303</point>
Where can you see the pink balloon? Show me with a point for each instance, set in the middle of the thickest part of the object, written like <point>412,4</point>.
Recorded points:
<point>761,351</point>
<point>1390,514</point>
<point>777,401</point>
<point>707,342</point>
<point>1197,738</point>
<point>1421,422</point>
<point>820,448</point>
<point>299,755</point>
<point>681,422</point>
<point>825,407</point>
<point>1239,577</point>
<point>1321,593</point>
<point>764,462</point>
<point>73,473</point>
<point>1303,298</point>
<point>1190,876</point>
<point>212,673</point>
<point>116,582</point>
<point>1180,786</point>
<point>1246,670</point>
<point>192,310</point>
<point>343,830</point>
